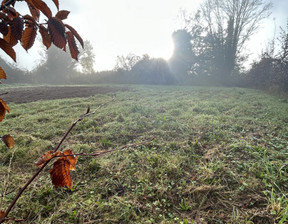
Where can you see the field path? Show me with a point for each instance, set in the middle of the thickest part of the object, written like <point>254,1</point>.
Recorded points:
<point>31,94</point>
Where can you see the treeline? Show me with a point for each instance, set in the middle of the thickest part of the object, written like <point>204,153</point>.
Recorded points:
<point>133,69</point>
<point>271,70</point>
<point>16,75</point>
<point>208,50</point>
<point>58,68</point>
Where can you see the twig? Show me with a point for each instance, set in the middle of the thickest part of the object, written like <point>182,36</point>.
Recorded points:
<point>7,179</point>
<point>15,220</point>
<point>87,154</point>
<point>88,113</point>
<point>1,94</point>
<point>97,154</point>
<point>9,192</point>
<point>10,2</point>
<point>45,164</point>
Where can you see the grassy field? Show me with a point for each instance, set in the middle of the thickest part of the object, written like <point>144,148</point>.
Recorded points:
<point>191,155</point>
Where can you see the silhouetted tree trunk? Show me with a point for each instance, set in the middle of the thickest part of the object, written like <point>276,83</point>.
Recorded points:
<point>181,61</point>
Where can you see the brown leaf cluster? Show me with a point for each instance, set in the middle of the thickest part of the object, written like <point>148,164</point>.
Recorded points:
<point>16,28</point>
<point>60,173</point>
<point>57,32</point>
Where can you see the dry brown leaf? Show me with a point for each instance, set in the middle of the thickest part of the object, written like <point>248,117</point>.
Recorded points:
<point>46,39</point>
<point>28,37</point>
<point>75,34</point>
<point>2,214</point>
<point>2,73</point>
<point>60,173</point>
<point>3,109</point>
<point>8,140</point>
<point>4,28</point>
<point>8,49</point>
<point>72,159</point>
<point>33,10</point>
<point>46,157</point>
<point>17,26</point>
<point>42,6</point>
<point>56,2</point>
<point>57,32</point>
<point>72,45</point>
<point>62,14</point>
<point>9,38</point>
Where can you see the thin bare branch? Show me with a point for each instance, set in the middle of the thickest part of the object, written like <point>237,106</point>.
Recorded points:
<point>4,193</point>
<point>21,190</point>
<point>1,94</point>
<point>80,119</point>
<point>10,2</point>
<point>97,154</point>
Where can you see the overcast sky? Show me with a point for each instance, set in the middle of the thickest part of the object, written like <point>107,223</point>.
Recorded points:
<point>119,27</point>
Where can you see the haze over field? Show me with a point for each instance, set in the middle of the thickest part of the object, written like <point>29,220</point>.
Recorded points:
<point>140,27</point>
<point>172,126</point>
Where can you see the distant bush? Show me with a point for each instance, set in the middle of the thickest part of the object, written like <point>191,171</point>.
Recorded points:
<point>15,75</point>
<point>151,71</point>
<point>146,70</point>
<point>269,73</point>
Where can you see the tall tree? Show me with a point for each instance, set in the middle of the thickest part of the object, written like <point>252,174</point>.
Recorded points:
<point>57,67</point>
<point>283,54</point>
<point>16,75</point>
<point>87,58</point>
<point>181,60</point>
<point>271,70</point>
<point>220,30</point>
<point>126,63</point>
<point>230,24</point>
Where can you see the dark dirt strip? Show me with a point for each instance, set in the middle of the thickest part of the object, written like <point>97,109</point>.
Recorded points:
<point>32,94</point>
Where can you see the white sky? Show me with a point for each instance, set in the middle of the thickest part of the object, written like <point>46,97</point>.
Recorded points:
<point>119,27</point>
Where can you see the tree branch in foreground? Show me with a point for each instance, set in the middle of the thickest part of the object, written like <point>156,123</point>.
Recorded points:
<point>88,113</point>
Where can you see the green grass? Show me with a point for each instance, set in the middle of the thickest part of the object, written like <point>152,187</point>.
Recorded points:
<point>218,155</point>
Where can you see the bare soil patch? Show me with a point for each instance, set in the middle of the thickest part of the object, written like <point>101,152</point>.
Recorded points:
<point>31,94</point>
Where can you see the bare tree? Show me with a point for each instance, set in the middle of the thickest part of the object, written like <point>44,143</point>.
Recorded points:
<point>230,24</point>
<point>126,62</point>
<point>87,58</point>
